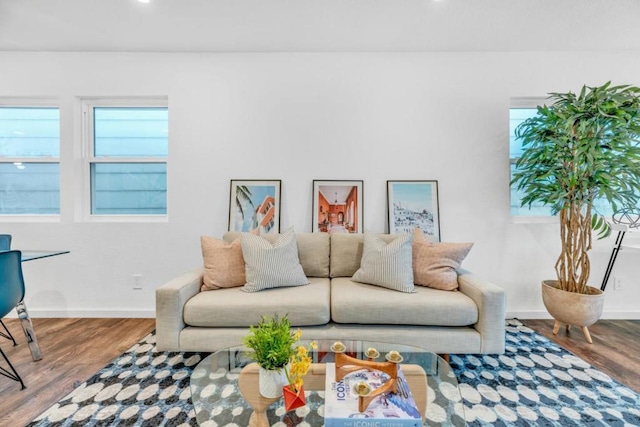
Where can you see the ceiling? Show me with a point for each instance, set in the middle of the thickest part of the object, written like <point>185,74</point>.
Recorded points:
<point>319,25</point>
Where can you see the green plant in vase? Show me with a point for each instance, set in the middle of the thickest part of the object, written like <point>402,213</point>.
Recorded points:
<point>272,343</point>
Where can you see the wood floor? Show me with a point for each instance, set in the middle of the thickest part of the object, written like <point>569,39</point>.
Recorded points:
<point>75,349</point>
<point>615,349</point>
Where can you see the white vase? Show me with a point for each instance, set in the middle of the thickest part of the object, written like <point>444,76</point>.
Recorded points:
<point>271,382</point>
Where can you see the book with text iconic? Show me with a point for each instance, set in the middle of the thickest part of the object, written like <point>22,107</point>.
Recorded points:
<point>387,410</point>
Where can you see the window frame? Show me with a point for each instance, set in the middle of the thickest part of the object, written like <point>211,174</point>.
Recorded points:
<point>88,157</point>
<point>525,103</point>
<point>36,102</point>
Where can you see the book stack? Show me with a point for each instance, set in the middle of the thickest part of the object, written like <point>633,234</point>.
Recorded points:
<point>387,410</point>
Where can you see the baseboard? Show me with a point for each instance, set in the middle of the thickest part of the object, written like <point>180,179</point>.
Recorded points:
<point>542,314</point>
<point>141,314</point>
<point>149,314</point>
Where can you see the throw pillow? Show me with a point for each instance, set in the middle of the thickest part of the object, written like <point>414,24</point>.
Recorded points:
<point>435,264</point>
<point>386,264</point>
<point>223,264</point>
<point>271,265</point>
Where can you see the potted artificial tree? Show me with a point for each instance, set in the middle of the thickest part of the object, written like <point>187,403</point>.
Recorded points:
<point>581,148</point>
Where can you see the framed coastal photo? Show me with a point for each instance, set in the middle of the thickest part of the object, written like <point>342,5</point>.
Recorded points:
<point>337,206</point>
<point>412,204</point>
<point>254,204</point>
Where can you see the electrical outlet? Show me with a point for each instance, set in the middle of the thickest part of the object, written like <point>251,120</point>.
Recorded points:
<point>618,283</point>
<point>137,281</point>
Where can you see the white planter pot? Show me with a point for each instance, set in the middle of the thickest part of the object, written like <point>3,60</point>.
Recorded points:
<point>572,308</point>
<point>271,382</point>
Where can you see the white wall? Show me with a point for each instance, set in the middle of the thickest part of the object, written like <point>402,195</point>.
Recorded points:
<point>299,117</point>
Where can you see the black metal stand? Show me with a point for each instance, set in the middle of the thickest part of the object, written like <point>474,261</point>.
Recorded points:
<point>12,375</point>
<point>8,334</point>
<point>612,259</point>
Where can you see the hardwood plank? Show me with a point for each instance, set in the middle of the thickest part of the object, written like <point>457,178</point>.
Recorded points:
<point>73,350</point>
<point>615,349</point>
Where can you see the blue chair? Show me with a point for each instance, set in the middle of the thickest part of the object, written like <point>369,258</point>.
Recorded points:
<point>5,245</point>
<point>5,242</point>
<point>11,293</point>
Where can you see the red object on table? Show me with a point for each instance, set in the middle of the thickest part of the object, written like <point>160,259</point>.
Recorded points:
<point>291,399</point>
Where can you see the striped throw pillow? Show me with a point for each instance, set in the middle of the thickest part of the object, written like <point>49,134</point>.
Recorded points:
<point>271,265</point>
<point>386,264</point>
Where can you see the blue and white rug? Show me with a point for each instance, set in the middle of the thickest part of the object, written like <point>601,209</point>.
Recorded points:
<point>537,382</point>
<point>534,383</point>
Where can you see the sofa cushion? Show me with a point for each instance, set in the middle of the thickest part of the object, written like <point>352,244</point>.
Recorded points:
<point>346,253</point>
<point>223,264</point>
<point>386,264</point>
<point>353,302</point>
<point>313,251</point>
<point>271,265</point>
<point>233,308</point>
<point>435,264</point>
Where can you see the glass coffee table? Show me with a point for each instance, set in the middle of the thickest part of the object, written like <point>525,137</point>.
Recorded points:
<point>223,397</point>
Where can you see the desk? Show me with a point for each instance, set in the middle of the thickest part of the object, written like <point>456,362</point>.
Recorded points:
<point>21,308</point>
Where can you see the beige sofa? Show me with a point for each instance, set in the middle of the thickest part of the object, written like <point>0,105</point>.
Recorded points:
<point>332,306</point>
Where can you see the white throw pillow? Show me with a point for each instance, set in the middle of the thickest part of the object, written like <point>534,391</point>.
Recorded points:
<point>386,264</point>
<point>271,265</point>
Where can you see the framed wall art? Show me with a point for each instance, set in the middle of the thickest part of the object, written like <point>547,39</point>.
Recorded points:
<point>412,204</point>
<point>254,204</point>
<point>337,206</point>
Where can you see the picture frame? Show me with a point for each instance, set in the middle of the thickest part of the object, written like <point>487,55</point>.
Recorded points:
<point>412,204</point>
<point>254,204</point>
<point>337,206</point>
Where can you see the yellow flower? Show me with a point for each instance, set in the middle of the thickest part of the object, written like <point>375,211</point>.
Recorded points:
<point>299,363</point>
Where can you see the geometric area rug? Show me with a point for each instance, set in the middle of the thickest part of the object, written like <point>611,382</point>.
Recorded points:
<point>534,383</point>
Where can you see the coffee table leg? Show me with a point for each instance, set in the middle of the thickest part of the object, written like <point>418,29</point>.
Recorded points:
<point>248,384</point>
<point>258,419</point>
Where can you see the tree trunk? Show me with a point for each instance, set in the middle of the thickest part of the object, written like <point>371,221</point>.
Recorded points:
<point>572,266</point>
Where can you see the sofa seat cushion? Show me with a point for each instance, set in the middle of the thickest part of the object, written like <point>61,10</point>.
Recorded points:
<point>353,302</point>
<point>231,307</point>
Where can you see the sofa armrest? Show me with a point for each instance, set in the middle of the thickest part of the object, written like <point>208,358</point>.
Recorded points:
<point>490,300</point>
<point>170,300</point>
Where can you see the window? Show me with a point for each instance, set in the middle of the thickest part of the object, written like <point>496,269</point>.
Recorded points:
<point>29,160</point>
<point>517,115</point>
<point>127,164</point>
<point>520,111</point>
